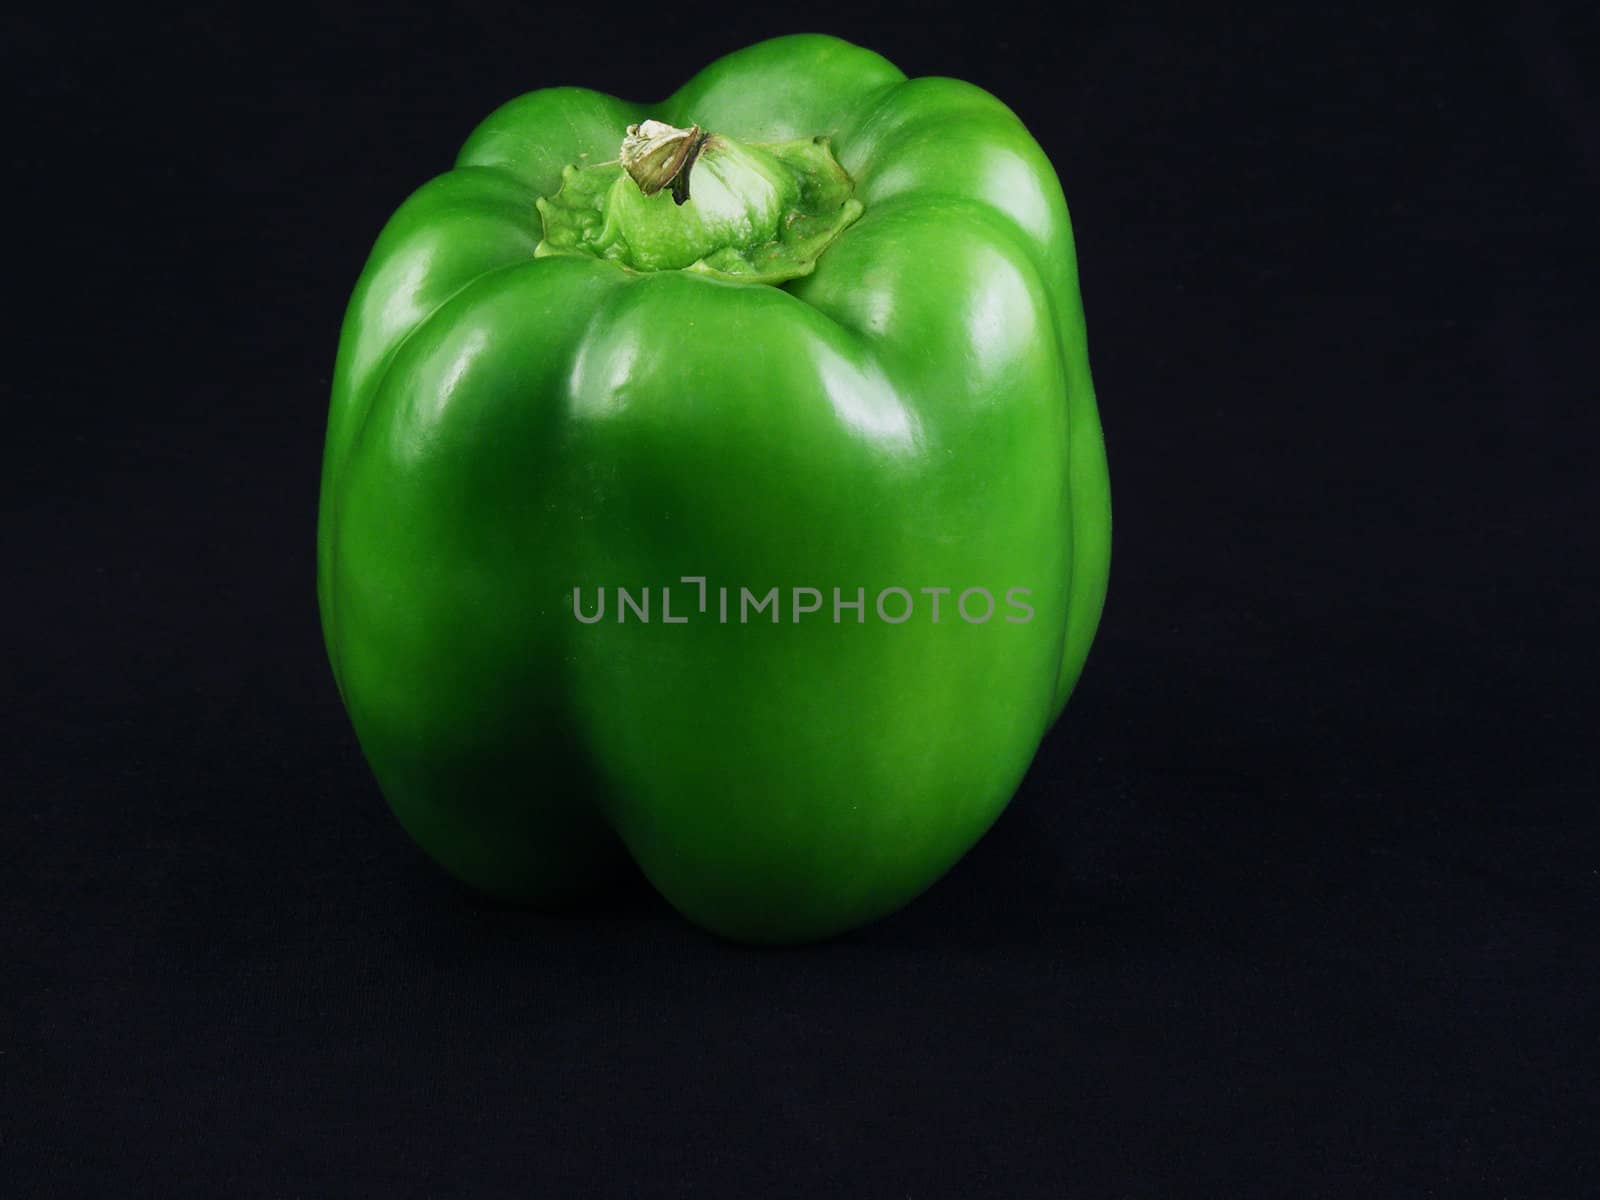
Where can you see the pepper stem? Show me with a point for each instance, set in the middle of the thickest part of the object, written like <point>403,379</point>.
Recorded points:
<point>655,155</point>
<point>761,213</point>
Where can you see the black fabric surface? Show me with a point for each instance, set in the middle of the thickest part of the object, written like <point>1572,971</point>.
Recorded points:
<point>1299,899</point>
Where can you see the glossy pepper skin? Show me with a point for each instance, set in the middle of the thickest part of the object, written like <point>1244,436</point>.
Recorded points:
<point>914,412</point>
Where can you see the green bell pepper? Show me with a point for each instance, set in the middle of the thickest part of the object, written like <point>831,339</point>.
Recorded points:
<point>718,484</point>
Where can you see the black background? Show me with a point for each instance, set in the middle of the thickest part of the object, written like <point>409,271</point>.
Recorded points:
<point>1300,897</point>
